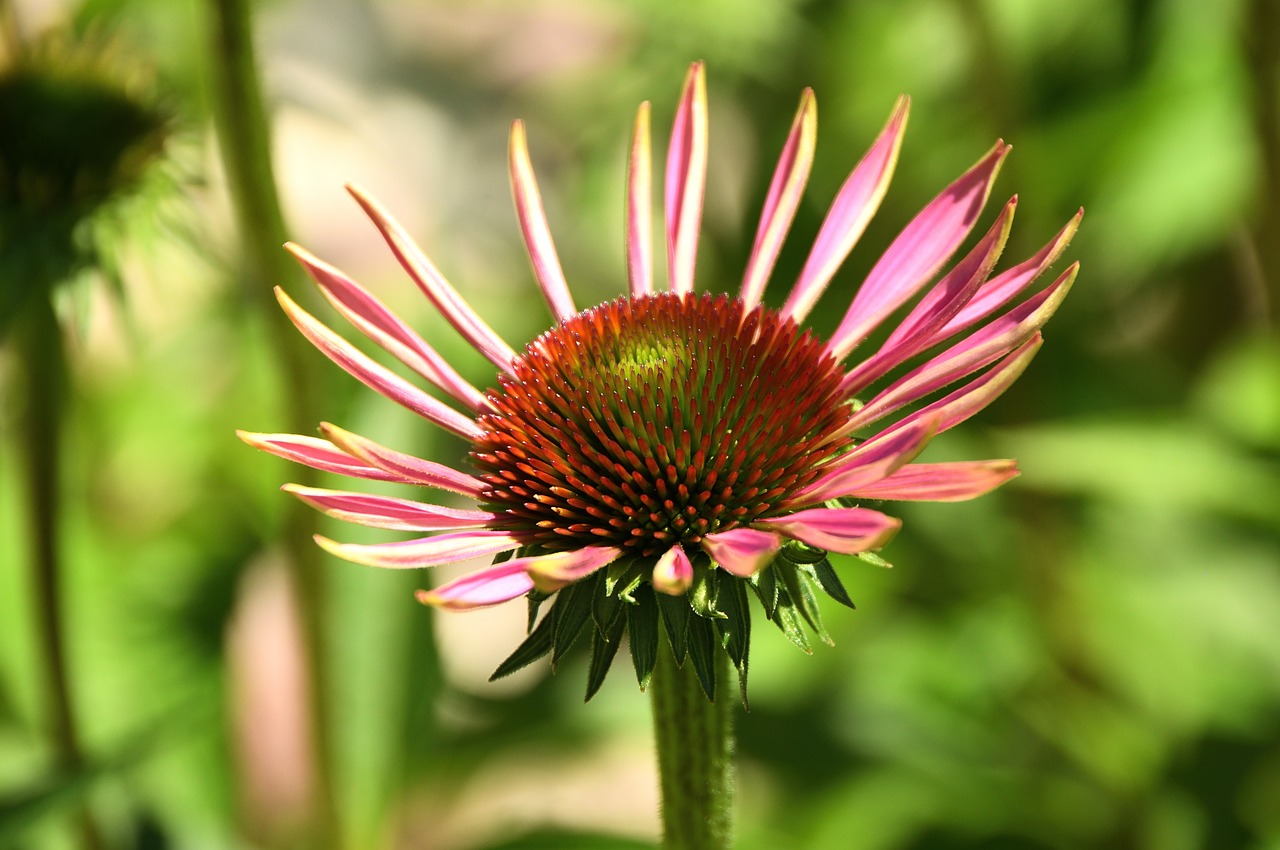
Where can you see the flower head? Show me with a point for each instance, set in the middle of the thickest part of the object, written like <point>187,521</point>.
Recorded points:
<point>657,457</point>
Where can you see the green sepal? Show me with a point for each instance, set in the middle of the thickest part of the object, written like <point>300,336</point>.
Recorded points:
<point>624,575</point>
<point>604,609</point>
<point>765,584</point>
<point>830,582</point>
<point>874,560</point>
<point>642,625</point>
<point>536,645</point>
<point>735,630</point>
<point>799,587</point>
<point>570,613</point>
<point>703,595</point>
<point>702,653</point>
<point>534,599</point>
<point>675,616</point>
<point>786,618</point>
<point>800,553</point>
<point>605,640</point>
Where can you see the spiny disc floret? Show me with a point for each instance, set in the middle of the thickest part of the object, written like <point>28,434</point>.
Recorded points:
<point>649,422</point>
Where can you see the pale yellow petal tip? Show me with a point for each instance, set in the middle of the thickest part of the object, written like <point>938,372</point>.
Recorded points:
<point>428,598</point>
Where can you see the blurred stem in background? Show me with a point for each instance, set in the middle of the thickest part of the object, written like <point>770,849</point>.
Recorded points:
<point>42,366</point>
<point>694,737</point>
<point>1263,54</point>
<point>244,139</point>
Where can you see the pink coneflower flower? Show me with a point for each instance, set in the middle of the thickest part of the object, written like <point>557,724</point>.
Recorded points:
<point>654,457</point>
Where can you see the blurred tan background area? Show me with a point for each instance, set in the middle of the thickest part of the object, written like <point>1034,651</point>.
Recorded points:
<point>1088,658</point>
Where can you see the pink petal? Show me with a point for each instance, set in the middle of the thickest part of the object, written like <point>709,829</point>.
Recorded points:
<point>686,179</point>
<point>434,286</point>
<point>673,574</point>
<point>872,461</point>
<point>374,376</point>
<point>780,205</point>
<point>388,512</point>
<point>379,324</point>
<point>844,530</point>
<point>317,454</point>
<point>853,208</point>
<point>639,218</point>
<point>533,224</point>
<point>481,589</point>
<point>985,346</point>
<point>742,551</point>
<point>403,466</point>
<point>941,482</point>
<point>423,552</point>
<point>554,571</point>
<point>918,252</point>
<point>960,404</point>
<point>1002,288</point>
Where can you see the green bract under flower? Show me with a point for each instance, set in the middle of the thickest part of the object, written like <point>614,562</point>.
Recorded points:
<point>646,466</point>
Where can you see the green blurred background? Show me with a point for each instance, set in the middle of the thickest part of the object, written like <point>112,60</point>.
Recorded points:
<point>1089,658</point>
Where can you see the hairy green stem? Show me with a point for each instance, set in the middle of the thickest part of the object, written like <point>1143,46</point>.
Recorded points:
<point>695,755</point>
<point>43,368</point>
<point>244,139</point>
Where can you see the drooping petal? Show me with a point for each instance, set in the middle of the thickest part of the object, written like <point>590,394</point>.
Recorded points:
<point>844,530</point>
<point>379,324</point>
<point>742,551</point>
<point>918,252</point>
<point>941,482</point>
<point>376,377</point>
<point>960,404</point>
<point>318,454</point>
<point>871,461</point>
<point>1002,288</point>
<point>987,345</point>
<point>639,217</point>
<point>402,466</point>
<point>481,589</point>
<point>433,284</point>
<point>388,512</point>
<point>686,179</point>
<point>855,204</point>
<point>673,573</point>
<point>533,224</point>
<point>780,204</point>
<point>554,571</point>
<point>423,552</point>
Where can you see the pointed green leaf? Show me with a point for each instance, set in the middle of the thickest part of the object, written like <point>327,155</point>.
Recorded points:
<point>536,645</point>
<point>604,646</point>
<point>702,653</point>
<point>789,621</point>
<point>675,616</point>
<point>642,625</point>
<point>830,582</point>
<point>874,560</point>
<point>706,587</point>
<point>799,588</point>
<point>735,629</point>
<point>572,610</point>
<point>765,584</point>
<point>534,600</point>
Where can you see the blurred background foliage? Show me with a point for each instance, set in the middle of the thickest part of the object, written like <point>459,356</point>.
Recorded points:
<point>1089,658</point>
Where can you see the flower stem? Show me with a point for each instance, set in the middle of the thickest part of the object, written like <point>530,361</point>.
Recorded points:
<point>43,368</point>
<point>244,140</point>
<point>695,755</point>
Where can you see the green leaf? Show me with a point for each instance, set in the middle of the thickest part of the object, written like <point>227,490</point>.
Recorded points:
<point>604,609</point>
<point>624,575</point>
<point>765,584</point>
<point>830,582</point>
<point>675,616</point>
<point>705,590</point>
<point>702,653</point>
<point>735,630</point>
<point>642,623</point>
<point>604,646</point>
<point>874,560</point>
<point>534,599</point>
<point>788,619</point>
<point>536,645</point>
<point>800,589</point>
<point>571,612</point>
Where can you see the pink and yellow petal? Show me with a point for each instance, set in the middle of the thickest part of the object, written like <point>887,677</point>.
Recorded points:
<point>481,589</point>
<point>388,512</point>
<point>742,551</point>
<point>673,573</point>
<point>639,213</point>
<point>941,482</point>
<point>552,572</point>
<point>318,454</point>
<point>424,551</point>
<point>534,227</point>
<point>844,530</point>
<point>686,179</point>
